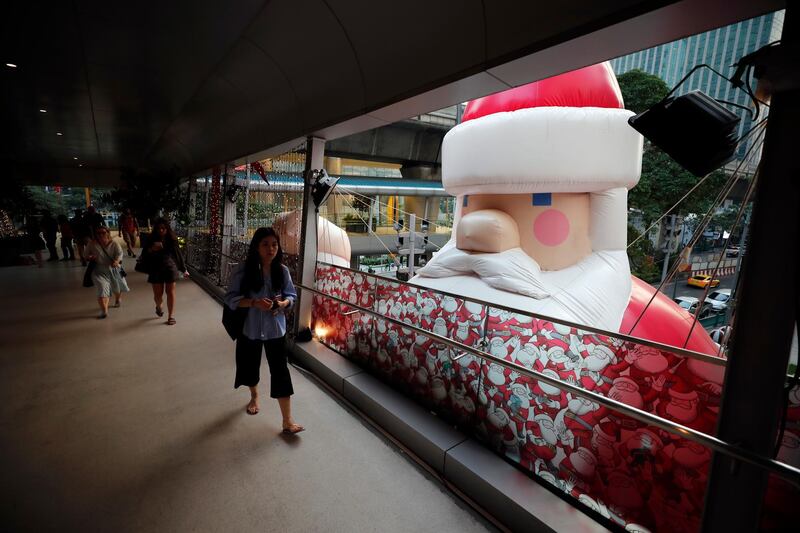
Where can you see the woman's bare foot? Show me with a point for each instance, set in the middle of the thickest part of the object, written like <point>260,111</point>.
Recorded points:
<point>291,428</point>
<point>252,407</point>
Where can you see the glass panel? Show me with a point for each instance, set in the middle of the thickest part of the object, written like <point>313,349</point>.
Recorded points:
<point>633,474</point>
<point>780,511</point>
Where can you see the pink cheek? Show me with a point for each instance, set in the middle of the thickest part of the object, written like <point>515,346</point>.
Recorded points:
<point>551,228</point>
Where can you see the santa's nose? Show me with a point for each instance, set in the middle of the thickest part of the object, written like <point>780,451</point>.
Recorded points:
<point>487,230</point>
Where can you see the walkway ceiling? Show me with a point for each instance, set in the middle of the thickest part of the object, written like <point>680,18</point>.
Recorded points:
<point>193,83</point>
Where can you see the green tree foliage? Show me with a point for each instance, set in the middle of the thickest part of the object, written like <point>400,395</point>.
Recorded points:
<point>150,194</point>
<point>641,90</point>
<point>642,257</point>
<point>663,181</point>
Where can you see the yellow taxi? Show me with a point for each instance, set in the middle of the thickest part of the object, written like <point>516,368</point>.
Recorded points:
<point>702,281</point>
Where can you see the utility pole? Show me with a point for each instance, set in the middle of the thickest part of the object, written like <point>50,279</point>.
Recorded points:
<point>742,244</point>
<point>670,236</point>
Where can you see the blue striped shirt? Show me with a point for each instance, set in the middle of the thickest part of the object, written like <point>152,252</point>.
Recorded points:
<point>262,325</point>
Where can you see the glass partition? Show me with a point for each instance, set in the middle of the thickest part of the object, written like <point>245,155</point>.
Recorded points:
<point>636,475</point>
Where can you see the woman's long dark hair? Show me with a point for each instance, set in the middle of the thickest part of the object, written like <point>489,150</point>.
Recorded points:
<point>253,277</point>
<point>169,239</point>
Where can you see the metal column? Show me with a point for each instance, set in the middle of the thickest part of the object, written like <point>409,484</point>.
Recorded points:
<point>315,151</point>
<point>753,395</point>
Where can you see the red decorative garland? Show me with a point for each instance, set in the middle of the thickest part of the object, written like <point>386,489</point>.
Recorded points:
<point>214,222</point>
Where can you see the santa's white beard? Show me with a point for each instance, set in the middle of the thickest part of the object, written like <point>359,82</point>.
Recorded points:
<point>595,291</point>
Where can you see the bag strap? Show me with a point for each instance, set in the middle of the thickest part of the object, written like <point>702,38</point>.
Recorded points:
<point>106,252</point>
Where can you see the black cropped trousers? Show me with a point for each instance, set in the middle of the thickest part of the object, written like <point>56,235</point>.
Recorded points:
<point>248,363</point>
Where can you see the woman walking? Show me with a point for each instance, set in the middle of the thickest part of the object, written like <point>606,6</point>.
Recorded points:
<point>164,263</point>
<point>107,276</point>
<point>67,251</point>
<point>263,285</point>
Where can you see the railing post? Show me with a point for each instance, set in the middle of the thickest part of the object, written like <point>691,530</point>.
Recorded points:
<point>753,392</point>
<point>228,225</point>
<point>315,152</point>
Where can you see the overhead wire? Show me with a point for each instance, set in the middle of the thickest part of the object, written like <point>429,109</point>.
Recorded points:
<point>702,299</point>
<point>723,193</point>
<point>696,185</point>
<point>355,193</point>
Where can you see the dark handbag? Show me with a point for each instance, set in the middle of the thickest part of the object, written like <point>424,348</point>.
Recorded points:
<point>122,272</point>
<point>143,261</point>
<point>233,320</point>
<point>87,276</point>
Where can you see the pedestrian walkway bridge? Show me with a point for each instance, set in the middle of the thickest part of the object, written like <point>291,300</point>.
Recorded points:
<point>126,424</point>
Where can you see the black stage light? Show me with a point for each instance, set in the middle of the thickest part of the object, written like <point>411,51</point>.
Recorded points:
<point>232,192</point>
<point>321,186</point>
<point>694,129</point>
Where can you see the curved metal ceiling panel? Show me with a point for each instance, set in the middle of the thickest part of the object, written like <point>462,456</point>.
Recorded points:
<point>199,82</point>
<point>314,55</point>
<point>418,45</point>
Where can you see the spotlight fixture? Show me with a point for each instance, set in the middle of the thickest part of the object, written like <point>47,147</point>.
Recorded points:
<point>59,133</point>
<point>322,186</point>
<point>11,65</point>
<point>232,191</point>
<point>43,111</point>
<point>694,129</point>
<point>75,158</point>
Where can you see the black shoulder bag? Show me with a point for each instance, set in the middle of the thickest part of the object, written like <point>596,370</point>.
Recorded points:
<point>233,319</point>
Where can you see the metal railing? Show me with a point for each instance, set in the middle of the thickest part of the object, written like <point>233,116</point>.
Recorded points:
<point>787,472</point>
<point>622,336</point>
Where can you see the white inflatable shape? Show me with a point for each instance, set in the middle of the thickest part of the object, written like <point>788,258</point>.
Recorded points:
<point>603,152</point>
<point>333,244</point>
<point>594,291</point>
<point>487,230</point>
<point>608,224</point>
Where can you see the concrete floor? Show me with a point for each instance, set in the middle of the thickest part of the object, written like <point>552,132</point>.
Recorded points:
<point>126,424</point>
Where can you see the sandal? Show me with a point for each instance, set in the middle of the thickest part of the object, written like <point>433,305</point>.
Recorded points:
<point>293,429</point>
<point>159,312</point>
<point>116,304</point>
<point>171,321</point>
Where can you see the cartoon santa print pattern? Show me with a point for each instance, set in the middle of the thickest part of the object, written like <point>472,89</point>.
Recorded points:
<point>414,362</point>
<point>635,475</point>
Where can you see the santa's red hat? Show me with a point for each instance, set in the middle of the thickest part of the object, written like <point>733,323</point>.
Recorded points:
<point>681,390</point>
<point>567,133</point>
<point>609,430</point>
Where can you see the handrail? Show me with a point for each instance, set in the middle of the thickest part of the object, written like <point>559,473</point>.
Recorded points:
<point>645,342</point>
<point>787,472</point>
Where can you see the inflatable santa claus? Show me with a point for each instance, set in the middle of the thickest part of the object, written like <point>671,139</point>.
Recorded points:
<point>541,175</point>
<point>333,244</point>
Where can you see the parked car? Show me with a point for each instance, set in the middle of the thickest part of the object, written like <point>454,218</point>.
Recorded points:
<point>690,303</point>
<point>718,300</point>
<point>702,281</point>
<point>732,251</point>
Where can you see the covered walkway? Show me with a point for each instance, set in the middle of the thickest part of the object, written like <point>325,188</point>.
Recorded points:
<point>126,424</point>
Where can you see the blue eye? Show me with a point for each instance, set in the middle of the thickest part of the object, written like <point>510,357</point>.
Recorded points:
<point>542,199</point>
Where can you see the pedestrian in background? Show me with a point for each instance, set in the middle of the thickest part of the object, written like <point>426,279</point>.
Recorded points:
<point>264,286</point>
<point>33,228</point>
<point>93,219</point>
<point>81,233</point>
<point>66,238</point>
<point>128,228</point>
<point>164,264</point>
<point>107,274</point>
<point>50,229</point>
